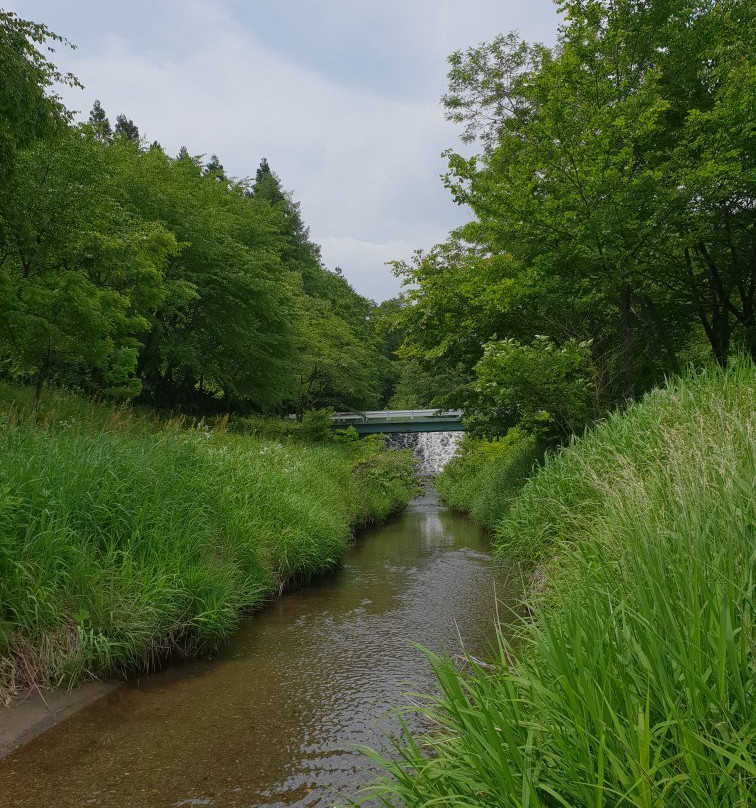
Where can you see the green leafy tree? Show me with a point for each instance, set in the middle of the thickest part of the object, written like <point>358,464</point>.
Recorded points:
<point>224,336</point>
<point>79,274</point>
<point>541,387</point>
<point>337,368</point>
<point>385,321</point>
<point>29,108</point>
<point>612,199</point>
<point>707,165</point>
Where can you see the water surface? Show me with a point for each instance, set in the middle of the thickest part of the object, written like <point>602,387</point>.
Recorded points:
<point>274,718</point>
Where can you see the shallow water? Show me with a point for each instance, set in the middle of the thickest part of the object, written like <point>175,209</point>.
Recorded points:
<point>274,718</point>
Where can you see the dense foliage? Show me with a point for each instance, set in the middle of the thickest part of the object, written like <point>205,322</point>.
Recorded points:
<point>128,273</point>
<point>123,539</point>
<point>485,476</point>
<point>632,681</point>
<point>613,202</point>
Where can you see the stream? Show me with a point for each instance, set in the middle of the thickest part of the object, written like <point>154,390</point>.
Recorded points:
<point>274,718</point>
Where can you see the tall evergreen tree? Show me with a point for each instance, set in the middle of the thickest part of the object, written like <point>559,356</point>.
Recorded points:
<point>100,124</point>
<point>126,128</point>
<point>215,169</point>
<point>267,184</point>
<point>299,251</point>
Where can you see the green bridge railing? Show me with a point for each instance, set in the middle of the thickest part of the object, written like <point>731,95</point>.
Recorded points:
<point>400,421</point>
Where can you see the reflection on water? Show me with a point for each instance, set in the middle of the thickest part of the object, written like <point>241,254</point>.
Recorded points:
<point>273,720</point>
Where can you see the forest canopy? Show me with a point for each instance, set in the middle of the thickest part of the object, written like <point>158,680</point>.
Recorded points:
<point>612,192</point>
<point>131,274</point>
<point>611,240</point>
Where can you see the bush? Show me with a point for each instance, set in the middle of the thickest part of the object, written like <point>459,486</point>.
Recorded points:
<point>317,426</point>
<point>542,387</point>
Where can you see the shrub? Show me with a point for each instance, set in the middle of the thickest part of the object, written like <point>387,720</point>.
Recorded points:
<point>317,426</point>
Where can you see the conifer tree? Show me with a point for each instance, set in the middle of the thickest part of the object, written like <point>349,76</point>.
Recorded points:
<point>125,127</point>
<point>100,124</point>
<point>267,185</point>
<point>215,169</point>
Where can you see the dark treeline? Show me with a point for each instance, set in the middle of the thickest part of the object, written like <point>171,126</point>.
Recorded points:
<point>613,235</point>
<point>128,273</point>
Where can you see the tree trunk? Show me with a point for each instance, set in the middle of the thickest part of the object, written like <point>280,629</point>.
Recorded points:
<point>38,388</point>
<point>719,334</point>
<point>661,334</point>
<point>41,374</point>
<point>747,298</point>
<point>628,387</point>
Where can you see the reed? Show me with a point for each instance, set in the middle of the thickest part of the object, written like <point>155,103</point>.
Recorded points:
<point>634,677</point>
<point>123,540</point>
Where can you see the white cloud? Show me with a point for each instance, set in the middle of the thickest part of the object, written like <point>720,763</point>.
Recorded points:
<point>367,263</point>
<point>341,98</point>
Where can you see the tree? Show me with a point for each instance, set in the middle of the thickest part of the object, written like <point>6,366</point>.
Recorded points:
<point>300,253</point>
<point>612,198</point>
<point>80,275</point>
<point>28,109</point>
<point>77,274</point>
<point>100,124</point>
<point>337,368</point>
<point>341,360</point>
<point>566,186</point>
<point>224,334</point>
<point>215,169</point>
<point>541,387</point>
<point>707,167</point>
<point>125,272</point>
<point>126,128</point>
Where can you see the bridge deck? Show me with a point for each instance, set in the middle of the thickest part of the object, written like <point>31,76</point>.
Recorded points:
<point>400,421</point>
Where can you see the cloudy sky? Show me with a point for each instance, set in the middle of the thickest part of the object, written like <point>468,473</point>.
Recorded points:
<point>341,96</point>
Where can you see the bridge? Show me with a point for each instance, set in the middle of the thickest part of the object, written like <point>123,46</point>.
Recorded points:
<point>384,421</point>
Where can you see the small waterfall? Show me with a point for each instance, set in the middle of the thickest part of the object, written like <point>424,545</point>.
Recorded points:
<point>433,449</point>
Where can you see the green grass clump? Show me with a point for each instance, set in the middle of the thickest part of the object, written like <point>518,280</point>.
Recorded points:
<point>486,475</point>
<point>634,677</point>
<point>122,540</point>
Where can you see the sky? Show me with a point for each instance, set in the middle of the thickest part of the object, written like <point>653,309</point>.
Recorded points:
<point>341,96</point>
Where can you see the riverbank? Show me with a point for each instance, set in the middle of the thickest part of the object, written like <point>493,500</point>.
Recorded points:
<point>274,718</point>
<point>633,680</point>
<point>124,541</point>
<point>28,714</point>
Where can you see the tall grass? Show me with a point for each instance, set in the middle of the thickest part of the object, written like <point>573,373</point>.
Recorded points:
<point>121,540</point>
<point>634,682</point>
<point>486,476</point>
